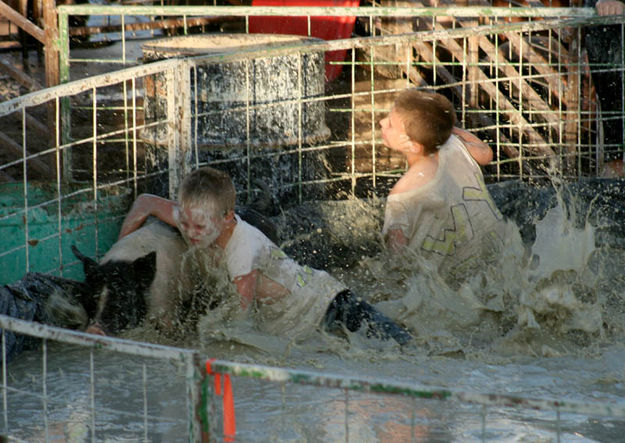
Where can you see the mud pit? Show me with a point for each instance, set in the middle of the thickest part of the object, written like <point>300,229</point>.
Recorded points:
<point>552,327</point>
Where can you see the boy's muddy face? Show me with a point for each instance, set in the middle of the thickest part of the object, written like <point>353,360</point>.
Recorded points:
<point>200,226</point>
<point>393,132</point>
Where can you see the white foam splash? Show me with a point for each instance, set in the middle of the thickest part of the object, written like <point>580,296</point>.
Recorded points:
<point>561,246</point>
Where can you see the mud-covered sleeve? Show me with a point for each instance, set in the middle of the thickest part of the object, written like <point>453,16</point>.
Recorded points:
<point>397,215</point>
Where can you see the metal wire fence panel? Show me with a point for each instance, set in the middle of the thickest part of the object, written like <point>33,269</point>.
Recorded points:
<point>75,385</point>
<point>76,155</point>
<point>73,161</point>
<point>526,87</point>
<point>261,108</point>
<point>366,409</point>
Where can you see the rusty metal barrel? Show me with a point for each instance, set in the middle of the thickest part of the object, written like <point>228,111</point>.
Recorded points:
<point>269,89</point>
<point>263,102</point>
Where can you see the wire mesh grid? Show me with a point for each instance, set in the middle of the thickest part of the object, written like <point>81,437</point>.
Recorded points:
<point>77,154</point>
<point>527,88</point>
<point>264,113</point>
<point>77,387</point>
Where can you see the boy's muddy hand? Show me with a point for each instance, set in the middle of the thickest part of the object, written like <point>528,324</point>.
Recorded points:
<point>96,329</point>
<point>609,7</point>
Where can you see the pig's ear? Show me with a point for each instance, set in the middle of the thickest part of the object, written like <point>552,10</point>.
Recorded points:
<point>89,265</point>
<point>145,269</point>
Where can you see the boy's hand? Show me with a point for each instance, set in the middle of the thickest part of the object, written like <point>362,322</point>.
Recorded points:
<point>144,206</point>
<point>246,287</point>
<point>96,329</point>
<point>609,7</point>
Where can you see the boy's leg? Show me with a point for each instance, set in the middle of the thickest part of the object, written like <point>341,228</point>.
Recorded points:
<point>348,310</point>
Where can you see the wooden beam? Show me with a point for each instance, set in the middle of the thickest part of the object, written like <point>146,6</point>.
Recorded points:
<point>32,123</point>
<point>37,164</point>
<point>51,42</point>
<point>573,104</point>
<point>539,62</point>
<point>23,23</point>
<point>539,145</point>
<point>534,100</point>
<point>19,76</point>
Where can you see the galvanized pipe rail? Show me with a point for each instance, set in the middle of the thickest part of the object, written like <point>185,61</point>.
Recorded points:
<point>189,359</point>
<point>101,80</point>
<point>379,386</point>
<point>196,376</point>
<point>315,11</point>
<point>64,11</point>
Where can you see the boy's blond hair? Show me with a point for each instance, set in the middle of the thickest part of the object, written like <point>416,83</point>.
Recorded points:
<point>208,185</point>
<point>428,117</point>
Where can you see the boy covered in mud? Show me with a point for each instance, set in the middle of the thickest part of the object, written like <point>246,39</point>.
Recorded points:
<point>288,297</point>
<point>440,208</point>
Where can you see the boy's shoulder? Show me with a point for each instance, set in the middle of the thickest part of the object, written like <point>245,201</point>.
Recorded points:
<point>417,176</point>
<point>246,236</point>
<point>247,248</point>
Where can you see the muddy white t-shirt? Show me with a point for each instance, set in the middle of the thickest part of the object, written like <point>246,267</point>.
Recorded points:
<point>452,220</point>
<point>311,291</point>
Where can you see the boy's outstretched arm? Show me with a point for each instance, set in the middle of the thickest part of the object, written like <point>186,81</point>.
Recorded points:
<point>479,150</point>
<point>148,205</point>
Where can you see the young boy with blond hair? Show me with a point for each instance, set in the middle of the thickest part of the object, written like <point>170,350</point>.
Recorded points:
<point>291,299</point>
<point>440,208</point>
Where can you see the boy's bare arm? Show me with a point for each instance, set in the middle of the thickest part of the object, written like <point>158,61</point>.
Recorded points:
<point>479,150</point>
<point>148,205</point>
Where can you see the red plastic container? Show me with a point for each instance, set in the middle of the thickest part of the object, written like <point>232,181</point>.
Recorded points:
<point>326,28</point>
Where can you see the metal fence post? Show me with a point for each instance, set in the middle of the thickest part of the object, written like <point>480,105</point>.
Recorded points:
<point>63,77</point>
<point>178,124</point>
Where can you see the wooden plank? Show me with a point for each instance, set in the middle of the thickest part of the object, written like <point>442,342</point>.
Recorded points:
<point>23,23</point>
<point>539,62</point>
<point>473,59</point>
<point>572,123</point>
<point>35,163</point>
<point>32,123</point>
<point>50,44</point>
<point>534,100</point>
<point>19,76</point>
<point>9,45</point>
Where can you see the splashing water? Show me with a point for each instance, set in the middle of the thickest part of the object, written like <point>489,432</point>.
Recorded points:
<point>545,321</point>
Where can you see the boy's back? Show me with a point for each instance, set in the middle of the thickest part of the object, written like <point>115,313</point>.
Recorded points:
<point>451,220</point>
